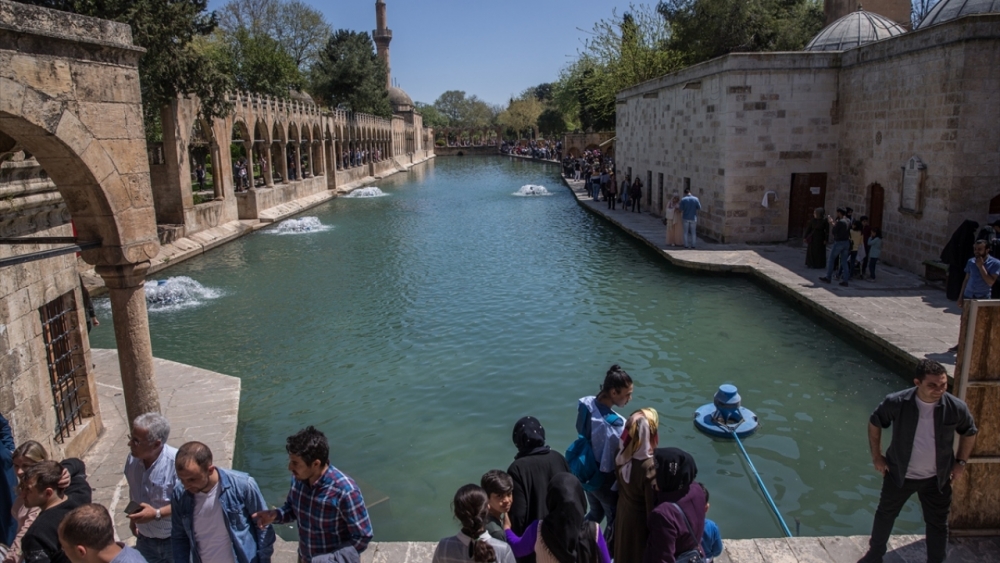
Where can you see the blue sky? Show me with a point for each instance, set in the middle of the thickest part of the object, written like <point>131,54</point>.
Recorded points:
<point>487,48</point>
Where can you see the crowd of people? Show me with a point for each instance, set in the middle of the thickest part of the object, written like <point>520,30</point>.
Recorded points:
<point>358,157</point>
<point>548,508</point>
<point>181,508</point>
<point>856,245</point>
<point>545,508</point>
<point>540,149</point>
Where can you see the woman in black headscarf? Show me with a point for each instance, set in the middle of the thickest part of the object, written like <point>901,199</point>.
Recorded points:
<point>956,254</point>
<point>564,535</point>
<point>673,535</point>
<point>533,468</point>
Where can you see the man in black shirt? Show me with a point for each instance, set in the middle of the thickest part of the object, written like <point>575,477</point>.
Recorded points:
<point>40,488</point>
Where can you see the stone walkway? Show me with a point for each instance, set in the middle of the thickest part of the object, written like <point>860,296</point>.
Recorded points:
<point>898,317</point>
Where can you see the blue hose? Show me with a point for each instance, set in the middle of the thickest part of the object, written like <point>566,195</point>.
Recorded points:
<point>767,495</point>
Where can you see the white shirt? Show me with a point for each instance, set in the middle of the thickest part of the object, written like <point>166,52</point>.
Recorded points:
<point>211,535</point>
<point>923,460</point>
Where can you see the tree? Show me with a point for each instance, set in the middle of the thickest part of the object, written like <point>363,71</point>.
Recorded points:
<point>170,66</point>
<point>432,117</point>
<point>521,115</point>
<point>299,28</point>
<point>919,11</point>
<point>256,63</point>
<point>705,29</point>
<point>620,53</point>
<point>551,123</point>
<point>463,111</point>
<point>349,75</point>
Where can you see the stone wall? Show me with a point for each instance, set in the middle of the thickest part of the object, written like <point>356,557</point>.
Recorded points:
<point>732,129</point>
<point>934,94</point>
<point>575,143</point>
<point>742,125</point>
<point>30,206</point>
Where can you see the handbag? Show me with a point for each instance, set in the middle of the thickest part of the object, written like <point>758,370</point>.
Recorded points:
<point>692,555</point>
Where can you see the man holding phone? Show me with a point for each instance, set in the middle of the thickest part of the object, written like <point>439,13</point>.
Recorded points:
<point>149,470</point>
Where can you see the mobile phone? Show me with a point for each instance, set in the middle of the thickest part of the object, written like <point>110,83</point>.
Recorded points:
<point>133,507</point>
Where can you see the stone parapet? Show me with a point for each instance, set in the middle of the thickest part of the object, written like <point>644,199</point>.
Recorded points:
<point>23,18</point>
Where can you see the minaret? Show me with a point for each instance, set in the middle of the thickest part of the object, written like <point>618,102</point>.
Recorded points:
<point>382,36</point>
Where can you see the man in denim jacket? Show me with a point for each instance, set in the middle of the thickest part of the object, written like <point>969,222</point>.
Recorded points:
<point>920,458</point>
<point>212,512</point>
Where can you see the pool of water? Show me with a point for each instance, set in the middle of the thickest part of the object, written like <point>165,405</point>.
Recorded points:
<point>415,328</point>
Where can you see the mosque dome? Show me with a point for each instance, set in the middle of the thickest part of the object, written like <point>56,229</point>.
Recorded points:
<point>947,10</point>
<point>400,100</point>
<point>855,29</point>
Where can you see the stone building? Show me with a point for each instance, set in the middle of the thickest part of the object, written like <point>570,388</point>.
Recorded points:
<point>73,178</point>
<point>898,126</point>
<point>292,149</point>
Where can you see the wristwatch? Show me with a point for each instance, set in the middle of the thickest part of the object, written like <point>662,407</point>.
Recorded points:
<point>158,510</point>
<point>961,462</point>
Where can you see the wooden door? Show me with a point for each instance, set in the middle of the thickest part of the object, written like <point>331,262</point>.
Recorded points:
<point>975,508</point>
<point>876,203</point>
<point>808,192</point>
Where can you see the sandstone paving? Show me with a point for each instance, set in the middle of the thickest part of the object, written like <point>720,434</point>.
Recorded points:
<point>898,317</point>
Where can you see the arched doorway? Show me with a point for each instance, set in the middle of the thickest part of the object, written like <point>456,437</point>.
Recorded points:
<point>876,204</point>
<point>96,155</point>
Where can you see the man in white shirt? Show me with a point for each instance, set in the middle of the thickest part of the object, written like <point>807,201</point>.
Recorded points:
<point>149,470</point>
<point>921,458</point>
<point>213,512</point>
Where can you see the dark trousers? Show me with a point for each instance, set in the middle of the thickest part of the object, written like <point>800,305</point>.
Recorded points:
<point>635,204</point>
<point>935,504</point>
<point>611,201</point>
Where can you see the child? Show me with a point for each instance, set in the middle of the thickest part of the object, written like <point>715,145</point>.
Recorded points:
<point>874,251</point>
<point>857,243</point>
<point>499,488</point>
<point>471,508</point>
<point>711,540</point>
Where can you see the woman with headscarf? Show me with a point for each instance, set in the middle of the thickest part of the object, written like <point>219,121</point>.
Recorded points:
<point>675,221</point>
<point>534,466</point>
<point>636,473</point>
<point>564,535</point>
<point>956,254</point>
<point>678,521</point>
<point>817,234</point>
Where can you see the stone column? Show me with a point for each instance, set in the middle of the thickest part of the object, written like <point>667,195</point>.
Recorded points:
<point>298,161</point>
<point>135,351</point>
<point>269,162</point>
<point>248,145</point>
<point>312,157</point>
<point>283,162</point>
<point>218,187</point>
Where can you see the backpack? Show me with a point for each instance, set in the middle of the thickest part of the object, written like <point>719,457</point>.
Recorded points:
<point>582,461</point>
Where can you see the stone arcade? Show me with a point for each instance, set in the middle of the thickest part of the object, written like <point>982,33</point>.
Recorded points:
<point>901,128</point>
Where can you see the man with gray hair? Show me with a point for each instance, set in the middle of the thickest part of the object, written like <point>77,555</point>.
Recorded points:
<point>149,470</point>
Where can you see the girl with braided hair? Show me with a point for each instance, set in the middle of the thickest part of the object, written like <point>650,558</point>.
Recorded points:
<point>473,542</point>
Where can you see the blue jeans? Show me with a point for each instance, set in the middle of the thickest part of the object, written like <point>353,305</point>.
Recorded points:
<point>155,550</point>
<point>690,233</point>
<point>604,502</point>
<point>840,248</point>
<point>871,267</point>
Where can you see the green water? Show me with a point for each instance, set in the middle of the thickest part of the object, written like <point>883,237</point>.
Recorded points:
<point>420,326</point>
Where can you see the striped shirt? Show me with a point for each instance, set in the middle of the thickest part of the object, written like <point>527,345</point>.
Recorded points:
<point>330,513</point>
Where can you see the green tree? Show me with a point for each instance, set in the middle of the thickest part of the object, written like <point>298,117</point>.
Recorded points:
<point>170,66</point>
<point>432,117</point>
<point>621,52</point>
<point>462,111</point>
<point>256,63</point>
<point>705,29</point>
<point>349,75</point>
<point>521,116</point>
<point>551,123</point>
<point>299,28</point>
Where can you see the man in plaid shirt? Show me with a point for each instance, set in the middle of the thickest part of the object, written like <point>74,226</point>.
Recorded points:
<point>327,504</point>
